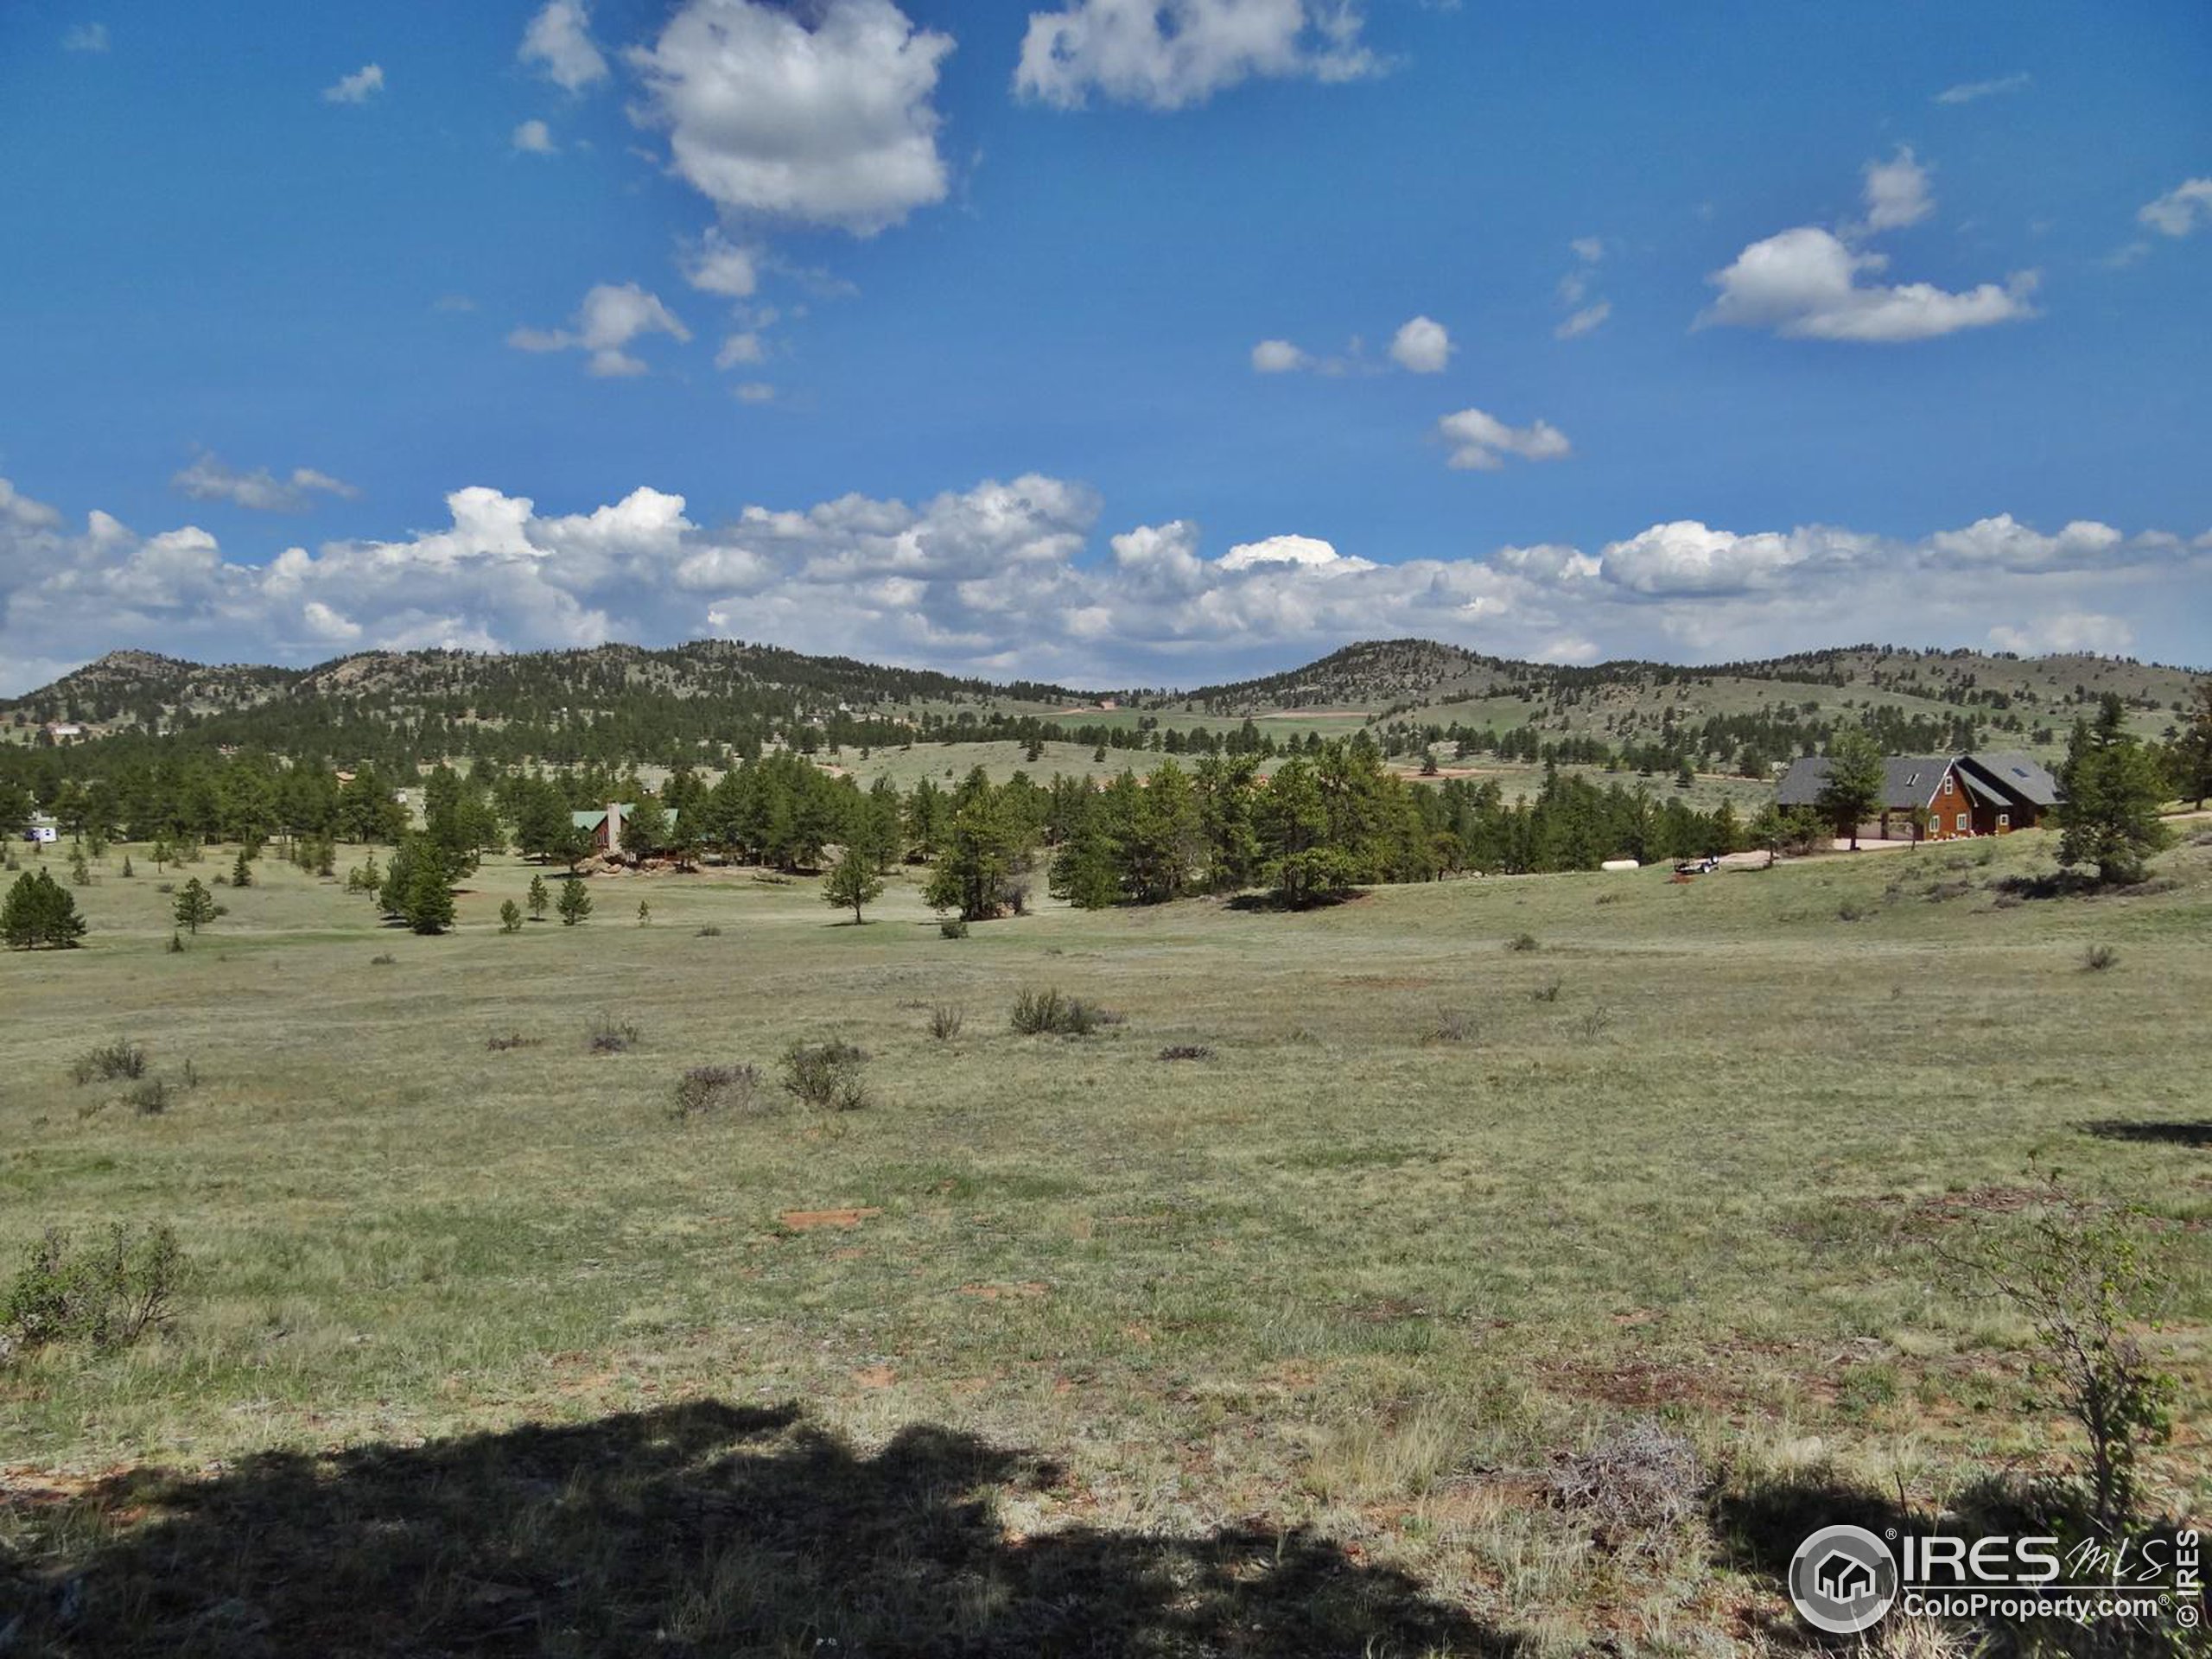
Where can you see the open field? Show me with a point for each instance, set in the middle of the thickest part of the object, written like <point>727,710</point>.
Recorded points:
<point>1433,1213</point>
<point>945,764</point>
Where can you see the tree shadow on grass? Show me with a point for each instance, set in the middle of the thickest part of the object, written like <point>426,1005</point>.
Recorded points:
<point>691,1529</point>
<point>1760,1522</point>
<point>2199,1133</point>
<point>1269,901</point>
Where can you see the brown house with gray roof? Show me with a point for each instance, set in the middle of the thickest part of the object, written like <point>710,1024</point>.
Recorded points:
<point>1939,797</point>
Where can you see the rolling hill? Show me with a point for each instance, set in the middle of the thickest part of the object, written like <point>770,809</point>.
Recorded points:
<point>619,702</point>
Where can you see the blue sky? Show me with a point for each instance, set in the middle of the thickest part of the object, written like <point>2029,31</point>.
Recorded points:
<point>1107,340</point>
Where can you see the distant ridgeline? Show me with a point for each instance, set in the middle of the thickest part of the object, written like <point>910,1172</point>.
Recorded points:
<point>713,703</point>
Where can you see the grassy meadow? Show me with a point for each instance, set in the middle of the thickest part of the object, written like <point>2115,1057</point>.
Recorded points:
<point>1057,1345</point>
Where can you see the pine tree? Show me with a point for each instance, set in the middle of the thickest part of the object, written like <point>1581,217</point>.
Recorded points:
<point>509,917</point>
<point>852,882</point>
<point>1086,870</point>
<point>242,871</point>
<point>2192,765</point>
<point>538,899</point>
<point>575,903</point>
<point>195,906</point>
<point>428,901</point>
<point>39,910</point>
<point>1853,790</point>
<point>2112,789</point>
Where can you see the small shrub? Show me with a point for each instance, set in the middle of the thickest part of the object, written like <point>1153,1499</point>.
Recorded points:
<point>952,927</point>
<point>945,1020</point>
<point>1036,1012</point>
<point>2098,957</point>
<point>175,946</point>
<point>709,931</point>
<point>109,1293</point>
<point>605,1034</point>
<point>120,1058</point>
<point>1852,910</point>
<point>1454,1026</point>
<point>1522,941</point>
<point>1640,1479</point>
<point>1546,992</point>
<point>1609,898</point>
<point>383,959</point>
<point>1186,1052</point>
<point>149,1097</point>
<point>512,1040</point>
<point>826,1075</point>
<point>1046,1013</point>
<point>706,1089</point>
<point>1595,1022</point>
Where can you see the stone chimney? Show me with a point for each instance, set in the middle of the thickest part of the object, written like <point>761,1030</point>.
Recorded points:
<point>614,826</point>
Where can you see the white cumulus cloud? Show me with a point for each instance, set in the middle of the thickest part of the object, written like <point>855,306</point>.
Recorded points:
<point>1814,283</point>
<point>1423,346</point>
<point>610,318</point>
<point>1897,192</point>
<point>719,266</point>
<point>1807,283</point>
<point>1307,551</point>
<point>534,139</point>
<point>2186,208</point>
<point>1481,443</point>
<point>558,39</point>
<point>208,479</point>
<point>2068,633</point>
<point>356,88</point>
<point>1277,357</point>
<point>1169,55</point>
<point>825,115</point>
<point>998,579</point>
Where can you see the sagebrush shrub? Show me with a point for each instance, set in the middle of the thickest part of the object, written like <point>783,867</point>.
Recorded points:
<point>717,1089</point>
<point>108,1294</point>
<point>120,1058</point>
<point>1455,1025</point>
<point>945,1020</point>
<point>607,1034</point>
<point>2098,957</point>
<point>827,1075</point>
<point>1522,941</point>
<point>1048,1012</point>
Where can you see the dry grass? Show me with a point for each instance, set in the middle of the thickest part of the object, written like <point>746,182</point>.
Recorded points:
<point>1338,1278</point>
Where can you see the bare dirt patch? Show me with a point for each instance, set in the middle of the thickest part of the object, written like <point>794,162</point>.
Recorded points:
<point>806,1221</point>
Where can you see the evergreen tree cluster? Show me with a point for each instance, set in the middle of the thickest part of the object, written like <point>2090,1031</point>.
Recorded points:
<point>39,910</point>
